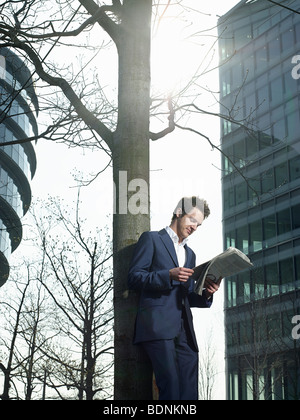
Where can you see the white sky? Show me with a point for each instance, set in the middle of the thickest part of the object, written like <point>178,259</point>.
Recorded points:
<point>181,164</point>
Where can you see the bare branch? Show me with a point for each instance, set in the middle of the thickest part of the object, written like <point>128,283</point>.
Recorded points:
<point>285,7</point>
<point>239,171</point>
<point>170,128</point>
<point>87,116</point>
<point>99,16</point>
<point>103,19</point>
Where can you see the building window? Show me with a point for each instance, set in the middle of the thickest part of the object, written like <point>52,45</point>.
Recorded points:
<point>242,36</point>
<point>227,48</point>
<point>254,189</point>
<point>243,239</point>
<point>281,174</point>
<point>276,91</point>
<point>229,198</point>
<point>226,84</point>
<point>250,106</point>
<point>283,222</point>
<point>287,317</point>
<point>263,99</point>
<point>230,239</point>
<point>245,330</point>
<point>227,127</point>
<point>265,140</point>
<point>255,236</point>
<point>241,193</point>
<point>267,181</point>
<point>261,58</point>
<point>288,40</point>
<point>296,217</point>
<point>2,67</point>
<point>251,145</point>
<point>269,229</point>
<point>286,272</point>
<point>231,292</point>
<point>293,125</point>
<point>274,49</point>
<point>297,32</point>
<point>290,86</point>
<point>258,283</point>
<point>244,282</point>
<point>239,152</point>
<point>295,168</point>
<point>233,386</point>
<point>238,76</point>
<point>297,267</point>
<point>272,280</point>
<point>279,130</point>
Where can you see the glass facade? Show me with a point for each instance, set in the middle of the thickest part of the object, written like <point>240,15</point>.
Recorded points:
<point>18,108</point>
<point>260,102</point>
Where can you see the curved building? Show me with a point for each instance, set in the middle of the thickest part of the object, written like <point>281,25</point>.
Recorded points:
<point>18,110</point>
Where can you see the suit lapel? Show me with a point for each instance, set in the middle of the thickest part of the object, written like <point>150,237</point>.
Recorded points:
<point>167,241</point>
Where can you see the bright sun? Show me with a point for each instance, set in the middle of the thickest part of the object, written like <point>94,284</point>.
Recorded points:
<point>183,47</point>
<point>172,59</point>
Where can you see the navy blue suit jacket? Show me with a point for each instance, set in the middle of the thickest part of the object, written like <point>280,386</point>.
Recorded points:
<point>161,301</point>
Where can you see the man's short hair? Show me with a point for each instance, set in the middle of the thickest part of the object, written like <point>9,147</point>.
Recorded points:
<point>186,205</point>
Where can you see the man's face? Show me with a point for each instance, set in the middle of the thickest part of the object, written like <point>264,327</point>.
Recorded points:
<point>189,223</point>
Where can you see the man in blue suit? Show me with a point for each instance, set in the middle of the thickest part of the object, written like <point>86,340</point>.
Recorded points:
<point>161,270</point>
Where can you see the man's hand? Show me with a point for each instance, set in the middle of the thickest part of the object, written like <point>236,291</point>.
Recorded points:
<point>211,286</point>
<point>181,274</point>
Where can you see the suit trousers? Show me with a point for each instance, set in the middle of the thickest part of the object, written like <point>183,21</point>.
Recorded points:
<point>175,365</point>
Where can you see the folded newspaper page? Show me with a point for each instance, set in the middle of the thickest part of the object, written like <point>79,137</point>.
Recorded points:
<point>230,262</point>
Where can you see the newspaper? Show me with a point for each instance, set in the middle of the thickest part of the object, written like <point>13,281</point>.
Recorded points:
<point>230,262</point>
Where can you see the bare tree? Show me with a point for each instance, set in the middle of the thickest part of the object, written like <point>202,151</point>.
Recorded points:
<point>261,337</point>
<point>8,369</point>
<point>21,337</point>
<point>80,113</point>
<point>207,370</point>
<point>78,279</point>
<point>58,334</point>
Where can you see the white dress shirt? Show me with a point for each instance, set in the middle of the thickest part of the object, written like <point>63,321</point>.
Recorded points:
<point>179,247</point>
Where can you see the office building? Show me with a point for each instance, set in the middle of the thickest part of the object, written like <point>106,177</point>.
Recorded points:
<point>18,110</point>
<point>259,94</point>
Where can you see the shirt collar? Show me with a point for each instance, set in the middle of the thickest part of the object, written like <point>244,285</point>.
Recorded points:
<point>174,237</point>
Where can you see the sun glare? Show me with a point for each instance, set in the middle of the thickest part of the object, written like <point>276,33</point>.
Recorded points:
<point>172,59</point>
<point>182,48</point>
